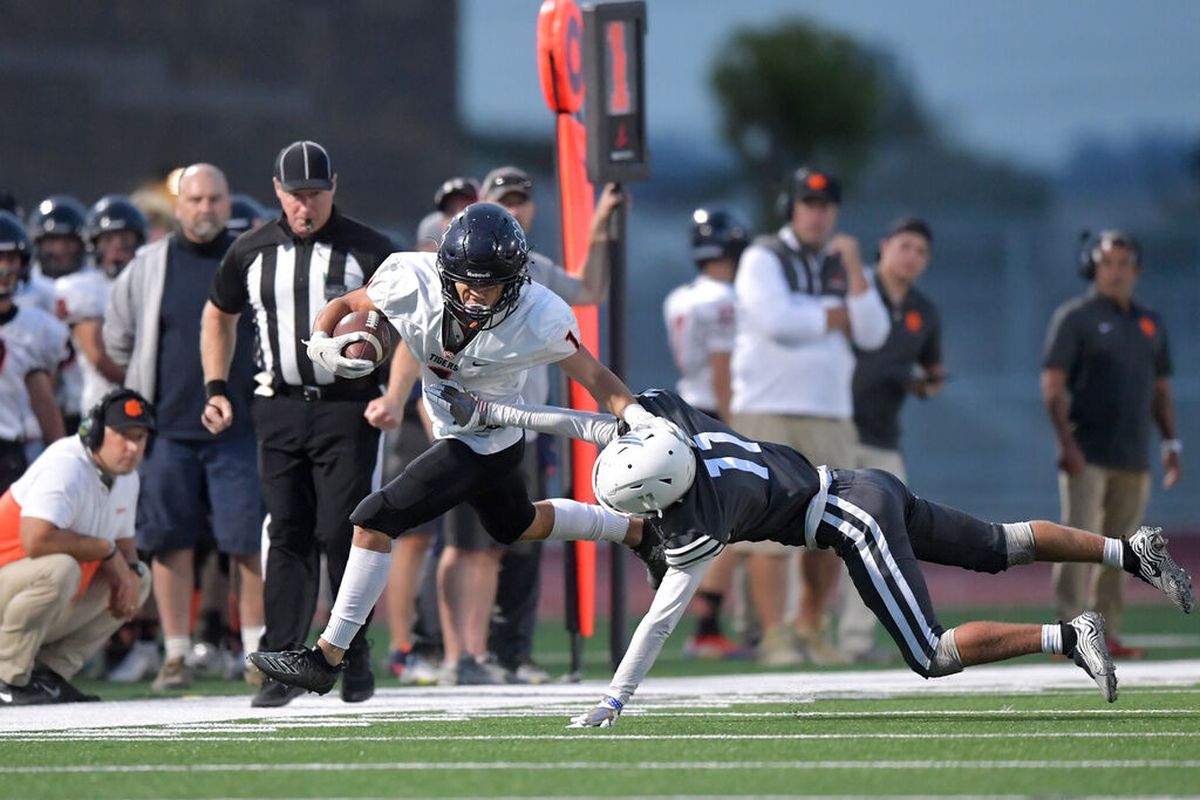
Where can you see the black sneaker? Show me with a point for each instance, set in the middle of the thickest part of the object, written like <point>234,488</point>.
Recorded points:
<point>51,682</point>
<point>273,694</point>
<point>32,694</point>
<point>650,551</point>
<point>358,682</point>
<point>305,668</point>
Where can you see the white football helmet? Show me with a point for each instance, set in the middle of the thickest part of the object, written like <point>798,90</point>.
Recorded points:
<point>644,471</point>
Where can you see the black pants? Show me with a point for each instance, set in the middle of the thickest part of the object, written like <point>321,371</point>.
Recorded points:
<point>316,459</point>
<point>12,463</point>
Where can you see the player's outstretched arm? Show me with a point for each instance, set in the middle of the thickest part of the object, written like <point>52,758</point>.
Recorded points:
<point>669,604</point>
<point>469,412</point>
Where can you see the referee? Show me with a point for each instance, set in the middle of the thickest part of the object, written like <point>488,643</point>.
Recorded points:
<point>317,433</point>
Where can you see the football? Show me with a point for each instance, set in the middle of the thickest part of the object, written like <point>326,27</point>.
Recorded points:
<point>381,335</point>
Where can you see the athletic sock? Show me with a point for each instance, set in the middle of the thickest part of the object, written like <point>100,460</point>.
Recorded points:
<point>1130,561</point>
<point>363,582</point>
<point>1059,637</point>
<point>709,623</point>
<point>177,646</point>
<point>575,521</point>
<point>251,634</point>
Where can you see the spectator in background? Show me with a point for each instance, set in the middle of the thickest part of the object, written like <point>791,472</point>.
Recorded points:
<point>152,328</point>
<point>1105,376</point>
<point>317,434</point>
<point>245,214</point>
<point>160,214</point>
<point>69,519</point>
<point>32,345</point>
<point>701,319</point>
<point>454,195</point>
<point>804,303</point>
<point>910,362</point>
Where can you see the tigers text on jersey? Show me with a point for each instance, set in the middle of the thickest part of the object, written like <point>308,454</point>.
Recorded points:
<point>744,490</point>
<point>79,297</point>
<point>701,319</point>
<point>30,340</point>
<point>540,330</point>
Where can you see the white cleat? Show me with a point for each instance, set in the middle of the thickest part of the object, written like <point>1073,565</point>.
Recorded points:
<point>1159,569</point>
<point>1091,653</point>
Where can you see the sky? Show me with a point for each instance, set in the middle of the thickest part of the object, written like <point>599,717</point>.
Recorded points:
<point>1020,79</point>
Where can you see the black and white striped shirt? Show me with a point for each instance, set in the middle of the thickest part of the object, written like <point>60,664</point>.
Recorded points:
<point>286,280</point>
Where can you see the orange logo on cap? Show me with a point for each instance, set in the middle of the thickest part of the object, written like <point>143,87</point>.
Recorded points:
<point>817,182</point>
<point>1148,327</point>
<point>913,321</point>
<point>133,408</point>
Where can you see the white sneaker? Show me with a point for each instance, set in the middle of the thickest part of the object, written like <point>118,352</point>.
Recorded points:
<point>1158,569</point>
<point>1091,653</point>
<point>142,662</point>
<point>419,671</point>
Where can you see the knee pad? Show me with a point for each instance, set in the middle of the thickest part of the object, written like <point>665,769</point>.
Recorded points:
<point>1019,538</point>
<point>946,660</point>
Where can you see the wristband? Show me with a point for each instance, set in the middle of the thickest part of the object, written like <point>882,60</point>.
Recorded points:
<point>1172,446</point>
<point>111,553</point>
<point>215,389</point>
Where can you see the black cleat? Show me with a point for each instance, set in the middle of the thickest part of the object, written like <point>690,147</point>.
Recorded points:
<point>51,683</point>
<point>32,694</point>
<point>304,668</point>
<point>273,694</point>
<point>358,682</point>
<point>650,551</point>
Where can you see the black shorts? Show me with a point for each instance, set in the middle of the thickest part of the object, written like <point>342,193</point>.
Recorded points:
<point>881,530</point>
<point>462,528</point>
<point>446,474</point>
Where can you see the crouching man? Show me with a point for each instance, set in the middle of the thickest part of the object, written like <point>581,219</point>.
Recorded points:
<point>69,573</point>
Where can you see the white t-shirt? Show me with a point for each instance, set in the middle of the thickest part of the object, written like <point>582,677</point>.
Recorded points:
<point>540,330</point>
<point>79,297</point>
<point>701,319</point>
<point>30,341</point>
<point>63,486</point>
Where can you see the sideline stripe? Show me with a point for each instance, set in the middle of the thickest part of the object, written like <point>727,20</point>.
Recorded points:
<point>167,736</point>
<point>406,766</point>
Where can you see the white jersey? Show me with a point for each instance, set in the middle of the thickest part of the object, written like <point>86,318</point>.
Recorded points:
<point>543,270</point>
<point>540,330</point>
<point>37,292</point>
<point>701,319</point>
<point>32,340</point>
<point>79,297</point>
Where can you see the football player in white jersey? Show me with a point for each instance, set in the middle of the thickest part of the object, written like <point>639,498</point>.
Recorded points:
<point>468,313</point>
<point>115,229</point>
<point>701,320</point>
<point>32,344</point>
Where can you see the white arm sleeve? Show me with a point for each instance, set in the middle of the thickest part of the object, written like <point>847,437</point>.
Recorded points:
<point>599,429</point>
<point>869,322</point>
<point>670,602</point>
<point>770,307</point>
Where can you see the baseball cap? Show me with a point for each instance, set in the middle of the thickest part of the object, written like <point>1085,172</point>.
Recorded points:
<point>505,180</point>
<point>467,187</point>
<point>131,411</point>
<point>304,165</point>
<point>813,184</point>
<point>911,225</point>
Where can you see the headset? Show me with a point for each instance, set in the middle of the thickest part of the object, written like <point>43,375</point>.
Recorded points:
<point>91,427</point>
<point>1088,245</point>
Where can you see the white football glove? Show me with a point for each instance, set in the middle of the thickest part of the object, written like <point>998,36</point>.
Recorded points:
<point>326,350</point>
<point>603,715</point>
<point>639,419</point>
<point>467,410</point>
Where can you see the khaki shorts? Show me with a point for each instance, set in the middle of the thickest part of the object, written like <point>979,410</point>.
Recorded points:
<point>822,440</point>
<point>879,458</point>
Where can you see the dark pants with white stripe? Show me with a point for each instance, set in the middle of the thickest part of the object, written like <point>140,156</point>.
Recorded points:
<point>881,530</point>
<point>316,459</point>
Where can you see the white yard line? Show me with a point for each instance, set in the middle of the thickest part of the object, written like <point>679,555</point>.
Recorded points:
<point>663,694</point>
<point>427,766</point>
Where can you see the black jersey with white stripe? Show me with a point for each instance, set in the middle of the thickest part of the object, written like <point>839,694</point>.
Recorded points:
<point>744,490</point>
<point>284,280</point>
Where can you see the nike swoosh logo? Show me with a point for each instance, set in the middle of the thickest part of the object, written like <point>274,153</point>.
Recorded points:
<point>53,691</point>
<point>479,363</point>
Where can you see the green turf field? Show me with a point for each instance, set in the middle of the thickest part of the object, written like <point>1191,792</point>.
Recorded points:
<point>1064,743</point>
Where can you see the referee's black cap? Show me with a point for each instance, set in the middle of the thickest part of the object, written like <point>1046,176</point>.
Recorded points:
<point>304,165</point>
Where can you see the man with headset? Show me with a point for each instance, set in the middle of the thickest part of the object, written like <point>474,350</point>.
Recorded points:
<point>1105,375</point>
<point>69,519</point>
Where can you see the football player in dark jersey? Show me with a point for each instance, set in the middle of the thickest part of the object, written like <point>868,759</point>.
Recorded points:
<point>700,485</point>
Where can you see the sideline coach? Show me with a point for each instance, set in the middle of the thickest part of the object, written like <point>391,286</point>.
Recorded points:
<point>318,449</point>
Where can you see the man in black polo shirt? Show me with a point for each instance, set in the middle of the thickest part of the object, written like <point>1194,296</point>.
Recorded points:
<point>318,434</point>
<point>1105,374</point>
<point>910,362</point>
